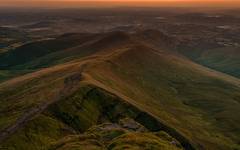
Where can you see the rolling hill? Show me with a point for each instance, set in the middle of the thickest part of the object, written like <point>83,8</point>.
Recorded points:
<point>223,58</point>
<point>116,91</point>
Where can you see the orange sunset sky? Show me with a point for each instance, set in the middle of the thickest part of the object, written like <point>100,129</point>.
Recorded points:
<point>98,3</point>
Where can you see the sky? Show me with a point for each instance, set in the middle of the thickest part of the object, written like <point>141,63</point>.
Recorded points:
<point>101,3</point>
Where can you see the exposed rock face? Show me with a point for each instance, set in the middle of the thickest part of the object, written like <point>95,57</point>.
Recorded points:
<point>131,124</point>
<point>113,137</point>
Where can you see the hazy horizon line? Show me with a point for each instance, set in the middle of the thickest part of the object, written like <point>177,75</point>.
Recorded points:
<point>131,3</point>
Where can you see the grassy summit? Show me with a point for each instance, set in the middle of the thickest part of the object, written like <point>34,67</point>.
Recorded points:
<point>169,101</point>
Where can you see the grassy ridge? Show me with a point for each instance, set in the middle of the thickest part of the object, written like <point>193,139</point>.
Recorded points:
<point>178,92</point>
<point>199,103</point>
<point>80,113</point>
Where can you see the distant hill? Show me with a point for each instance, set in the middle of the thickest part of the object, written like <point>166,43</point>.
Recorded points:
<point>35,50</point>
<point>221,58</point>
<point>224,59</point>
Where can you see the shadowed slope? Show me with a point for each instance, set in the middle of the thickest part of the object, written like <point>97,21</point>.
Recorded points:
<point>224,59</point>
<point>220,57</point>
<point>32,51</point>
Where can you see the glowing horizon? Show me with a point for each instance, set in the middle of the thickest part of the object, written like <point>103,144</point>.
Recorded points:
<point>77,3</point>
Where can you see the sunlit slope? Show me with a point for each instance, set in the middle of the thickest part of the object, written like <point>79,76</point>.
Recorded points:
<point>192,103</point>
<point>200,103</point>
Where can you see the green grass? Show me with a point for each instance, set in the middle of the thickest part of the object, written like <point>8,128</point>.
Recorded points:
<point>81,113</point>
<point>8,74</point>
<point>179,93</point>
<point>222,59</point>
<point>128,140</point>
<point>30,52</point>
<point>38,134</point>
<point>200,104</point>
<point>138,141</point>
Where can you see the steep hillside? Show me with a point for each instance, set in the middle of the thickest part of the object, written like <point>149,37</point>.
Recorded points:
<point>32,51</point>
<point>224,59</point>
<point>125,94</point>
<point>196,101</point>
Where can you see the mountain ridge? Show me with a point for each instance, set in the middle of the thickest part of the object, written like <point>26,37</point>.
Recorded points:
<point>155,81</point>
